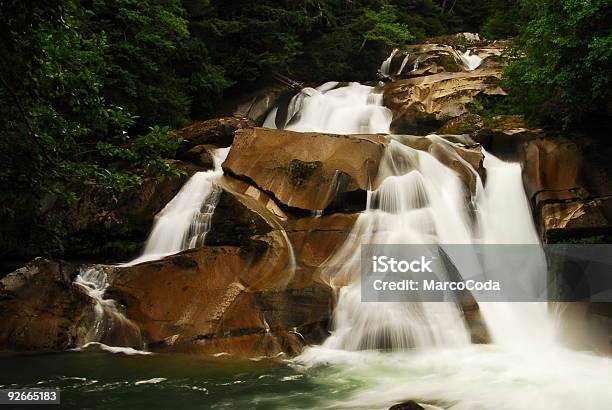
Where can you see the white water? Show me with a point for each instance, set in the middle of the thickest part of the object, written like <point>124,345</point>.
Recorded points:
<point>334,108</point>
<point>385,67</point>
<point>185,220</point>
<point>110,324</point>
<point>471,61</point>
<point>419,201</point>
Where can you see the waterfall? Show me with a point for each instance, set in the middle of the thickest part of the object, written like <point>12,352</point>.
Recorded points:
<point>110,326</point>
<point>385,67</point>
<point>471,61</point>
<point>336,108</point>
<point>505,218</point>
<point>185,220</point>
<point>419,201</point>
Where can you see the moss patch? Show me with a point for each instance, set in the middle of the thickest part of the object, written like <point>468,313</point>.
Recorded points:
<point>300,171</point>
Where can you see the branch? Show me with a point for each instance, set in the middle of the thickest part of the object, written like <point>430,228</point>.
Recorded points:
<point>26,120</point>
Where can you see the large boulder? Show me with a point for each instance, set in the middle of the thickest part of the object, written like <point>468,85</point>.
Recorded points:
<point>307,171</point>
<point>217,131</point>
<point>568,183</point>
<point>262,298</point>
<point>41,308</point>
<point>421,105</point>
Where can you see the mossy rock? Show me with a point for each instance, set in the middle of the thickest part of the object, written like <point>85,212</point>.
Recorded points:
<point>449,64</point>
<point>465,124</point>
<point>300,171</point>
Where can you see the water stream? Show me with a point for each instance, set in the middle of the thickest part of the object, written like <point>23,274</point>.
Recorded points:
<point>185,220</point>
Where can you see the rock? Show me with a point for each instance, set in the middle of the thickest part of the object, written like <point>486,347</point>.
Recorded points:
<point>576,219</point>
<point>200,155</point>
<point>568,183</point>
<point>41,309</point>
<point>407,405</point>
<point>233,223</point>
<point>505,135</point>
<point>307,171</point>
<point>424,59</point>
<point>253,293</point>
<point>256,105</point>
<point>217,131</point>
<point>421,105</point>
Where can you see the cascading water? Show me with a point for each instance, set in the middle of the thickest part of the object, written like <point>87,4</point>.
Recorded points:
<point>335,108</point>
<point>385,67</point>
<point>419,201</point>
<point>185,220</point>
<point>182,224</point>
<point>505,218</point>
<point>471,61</point>
<point>110,326</point>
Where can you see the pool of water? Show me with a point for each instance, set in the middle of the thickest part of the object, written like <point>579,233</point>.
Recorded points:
<point>477,377</point>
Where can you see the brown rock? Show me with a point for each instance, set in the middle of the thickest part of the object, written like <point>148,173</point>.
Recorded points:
<point>505,135</point>
<point>568,182</point>
<point>242,301</point>
<point>217,131</point>
<point>421,105</point>
<point>307,171</point>
<point>201,156</point>
<point>263,297</point>
<point>40,308</point>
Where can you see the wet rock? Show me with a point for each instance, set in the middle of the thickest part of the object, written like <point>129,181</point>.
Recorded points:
<point>568,183</point>
<point>407,405</point>
<point>307,171</point>
<point>200,155</point>
<point>261,297</point>
<point>256,105</point>
<point>424,59</point>
<point>217,131</point>
<point>237,300</point>
<point>41,309</point>
<point>233,223</point>
<point>421,105</point>
<point>505,135</point>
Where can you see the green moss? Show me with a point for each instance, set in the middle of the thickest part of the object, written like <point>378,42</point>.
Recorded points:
<point>449,63</point>
<point>300,171</point>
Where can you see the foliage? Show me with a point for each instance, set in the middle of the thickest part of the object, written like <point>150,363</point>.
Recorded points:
<point>562,68</point>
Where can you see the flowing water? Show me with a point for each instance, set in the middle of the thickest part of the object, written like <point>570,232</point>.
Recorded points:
<point>335,108</point>
<point>185,220</point>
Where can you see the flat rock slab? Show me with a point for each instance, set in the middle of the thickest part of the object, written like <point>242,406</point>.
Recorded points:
<point>307,171</point>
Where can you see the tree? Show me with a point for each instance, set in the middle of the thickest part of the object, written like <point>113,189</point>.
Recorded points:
<point>562,68</point>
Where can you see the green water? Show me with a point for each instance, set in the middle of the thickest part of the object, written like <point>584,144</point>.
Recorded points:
<point>476,377</point>
<point>105,381</point>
